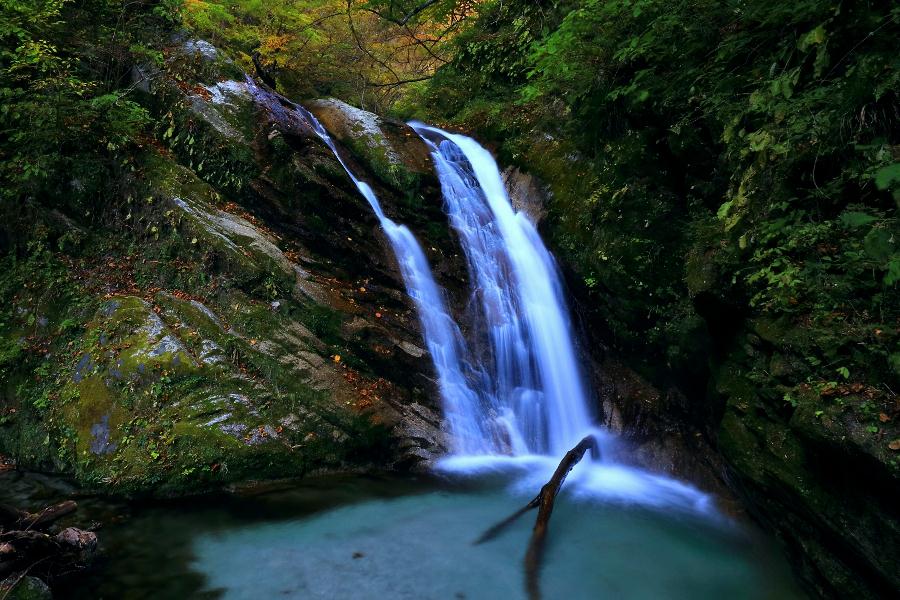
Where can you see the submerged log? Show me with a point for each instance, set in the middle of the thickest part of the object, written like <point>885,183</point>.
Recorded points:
<point>27,549</point>
<point>13,518</point>
<point>544,502</point>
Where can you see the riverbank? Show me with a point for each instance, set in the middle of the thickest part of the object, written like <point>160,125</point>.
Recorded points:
<point>366,536</point>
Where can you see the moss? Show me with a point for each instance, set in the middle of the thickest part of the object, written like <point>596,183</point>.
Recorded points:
<point>772,330</point>
<point>701,272</point>
<point>381,160</point>
<point>212,140</point>
<point>141,413</point>
<point>205,234</point>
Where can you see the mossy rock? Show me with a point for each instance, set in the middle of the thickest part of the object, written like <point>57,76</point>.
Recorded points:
<point>154,402</point>
<point>249,254</point>
<point>390,149</point>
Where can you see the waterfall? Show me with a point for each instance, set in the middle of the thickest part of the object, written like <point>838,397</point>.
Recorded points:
<point>529,397</point>
<point>526,396</point>
<point>535,388</point>
<point>442,336</point>
<point>518,401</point>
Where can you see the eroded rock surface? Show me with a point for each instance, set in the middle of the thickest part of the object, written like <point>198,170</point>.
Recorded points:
<point>248,322</point>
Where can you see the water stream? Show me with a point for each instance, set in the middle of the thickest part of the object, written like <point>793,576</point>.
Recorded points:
<point>517,406</point>
<point>532,388</point>
<point>514,401</point>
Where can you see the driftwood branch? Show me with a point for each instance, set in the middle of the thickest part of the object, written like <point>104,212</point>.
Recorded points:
<point>13,518</point>
<point>27,547</point>
<point>544,502</point>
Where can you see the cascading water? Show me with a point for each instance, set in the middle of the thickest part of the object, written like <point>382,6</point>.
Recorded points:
<point>442,336</point>
<point>526,403</point>
<point>534,387</point>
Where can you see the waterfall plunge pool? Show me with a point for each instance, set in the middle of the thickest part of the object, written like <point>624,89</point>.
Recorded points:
<point>375,537</point>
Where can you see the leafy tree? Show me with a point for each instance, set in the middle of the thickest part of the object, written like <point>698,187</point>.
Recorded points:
<point>734,157</point>
<point>67,116</point>
<point>366,52</point>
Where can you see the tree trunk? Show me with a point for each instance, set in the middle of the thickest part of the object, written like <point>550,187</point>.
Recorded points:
<point>11,517</point>
<point>544,501</point>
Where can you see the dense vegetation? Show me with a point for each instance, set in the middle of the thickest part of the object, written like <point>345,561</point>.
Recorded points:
<point>725,181</point>
<point>712,159</point>
<point>367,52</point>
<point>68,116</point>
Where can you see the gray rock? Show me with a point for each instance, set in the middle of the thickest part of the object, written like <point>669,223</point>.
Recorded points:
<point>206,50</point>
<point>526,194</point>
<point>78,538</point>
<point>100,443</point>
<point>234,231</point>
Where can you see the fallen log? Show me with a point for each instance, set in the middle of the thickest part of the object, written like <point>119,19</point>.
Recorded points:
<point>544,502</point>
<point>70,549</point>
<point>13,518</point>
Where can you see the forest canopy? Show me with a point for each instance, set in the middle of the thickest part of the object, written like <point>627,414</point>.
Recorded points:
<point>365,51</point>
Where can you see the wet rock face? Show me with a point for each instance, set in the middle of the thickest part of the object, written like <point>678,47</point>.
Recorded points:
<point>655,434</point>
<point>273,336</point>
<point>526,193</point>
<point>390,148</point>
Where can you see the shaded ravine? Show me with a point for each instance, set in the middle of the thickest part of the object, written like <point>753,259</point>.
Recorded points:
<point>520,401</point>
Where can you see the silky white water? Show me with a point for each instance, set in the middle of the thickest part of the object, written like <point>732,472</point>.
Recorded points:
<point>518,403</point>
<point>533,388</point>
<point>442,335</point>
<point>532,403</point>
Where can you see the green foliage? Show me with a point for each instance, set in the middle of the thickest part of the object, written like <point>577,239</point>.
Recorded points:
<point>66,110</point>
<point>364,51</point>
<point>727,158</point>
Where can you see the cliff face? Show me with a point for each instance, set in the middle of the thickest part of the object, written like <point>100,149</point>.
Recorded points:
<point>236,314</point>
